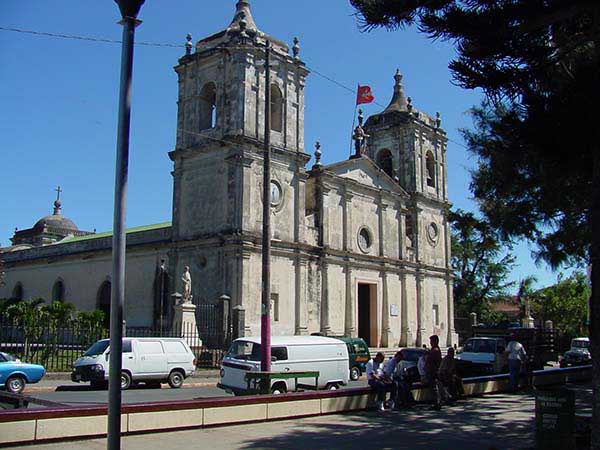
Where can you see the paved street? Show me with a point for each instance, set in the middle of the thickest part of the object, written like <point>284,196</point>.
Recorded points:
<point>500,422</point>
<point>68,392</point>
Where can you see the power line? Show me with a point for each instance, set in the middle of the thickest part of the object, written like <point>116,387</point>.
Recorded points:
<point>167,45</point>
<point>85,38</point>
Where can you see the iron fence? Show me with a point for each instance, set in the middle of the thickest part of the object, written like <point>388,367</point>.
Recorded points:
<point>57,348</point>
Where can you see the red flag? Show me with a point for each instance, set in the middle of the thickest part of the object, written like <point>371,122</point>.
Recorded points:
<point>364,95</point>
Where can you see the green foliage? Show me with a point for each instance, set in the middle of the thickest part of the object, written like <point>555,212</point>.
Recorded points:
<point>565,304</point>
<point>29,315</point>
<point>481,264</point>
<point>90,326</point>
<point>538,62</point>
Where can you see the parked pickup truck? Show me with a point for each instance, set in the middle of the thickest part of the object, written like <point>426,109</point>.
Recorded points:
<point>482,355</point>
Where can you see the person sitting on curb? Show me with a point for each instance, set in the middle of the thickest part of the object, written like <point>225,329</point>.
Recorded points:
<point>450,384</point>
<point>402,380</point>
<point>388,370</point>
<point>376,379</point>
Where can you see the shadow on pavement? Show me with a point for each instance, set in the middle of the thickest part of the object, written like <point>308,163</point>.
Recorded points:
<point>483,424</point>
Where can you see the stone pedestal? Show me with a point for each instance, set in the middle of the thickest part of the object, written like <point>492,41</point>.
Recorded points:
<point>528,322</point>
<point>184,324</point>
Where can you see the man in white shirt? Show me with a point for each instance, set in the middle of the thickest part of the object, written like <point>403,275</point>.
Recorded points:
<point>377,380</point>
<point>516,358</point>
<point>388,371</point>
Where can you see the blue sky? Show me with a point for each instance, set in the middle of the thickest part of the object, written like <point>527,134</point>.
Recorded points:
<point>59,100</point>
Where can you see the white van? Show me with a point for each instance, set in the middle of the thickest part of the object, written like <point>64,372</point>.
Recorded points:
<point>152,360</point>
<point>326,355</point>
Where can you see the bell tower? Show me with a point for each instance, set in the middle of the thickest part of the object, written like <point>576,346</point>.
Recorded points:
<point>220,124</point>
<point>409,145</point>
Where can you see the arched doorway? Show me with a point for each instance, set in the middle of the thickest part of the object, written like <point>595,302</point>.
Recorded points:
<point>103,302</point>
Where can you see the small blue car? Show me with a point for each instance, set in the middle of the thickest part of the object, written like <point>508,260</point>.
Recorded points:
<point>14,374</point>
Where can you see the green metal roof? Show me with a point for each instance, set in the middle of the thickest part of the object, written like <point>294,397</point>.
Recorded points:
<point>104,234</point>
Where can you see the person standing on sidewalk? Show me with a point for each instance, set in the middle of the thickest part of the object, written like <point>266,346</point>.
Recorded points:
<point>516,357</point>
<point>432,366</point>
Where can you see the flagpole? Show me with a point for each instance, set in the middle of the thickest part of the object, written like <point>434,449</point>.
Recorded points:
<point>352,129</point>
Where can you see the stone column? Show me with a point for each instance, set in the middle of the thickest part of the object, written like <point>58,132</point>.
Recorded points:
<point>325,323</point>
<point>401,218</point>
<point>347,221</point>
<point>350,327</point>
<point>406,336</point>
<point>300,325</point>
<point>452,335</point>
<point>386,338</point>
<point>421,330</point>
<point>381,209</point>
<point>417,236</point>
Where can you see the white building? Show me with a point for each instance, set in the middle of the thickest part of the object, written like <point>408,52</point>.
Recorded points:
<point>359,247</point>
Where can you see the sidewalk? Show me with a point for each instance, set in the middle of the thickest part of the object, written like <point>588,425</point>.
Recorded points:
<point>495,422</point>
<point>53,380</point>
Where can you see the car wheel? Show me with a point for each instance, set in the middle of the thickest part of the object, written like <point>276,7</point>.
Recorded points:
<point>175,379</point>
<point>354,373</point>
<point>278,389</point>
<point>125,381</point>
<point>15,384</point>
<point>333,387</point>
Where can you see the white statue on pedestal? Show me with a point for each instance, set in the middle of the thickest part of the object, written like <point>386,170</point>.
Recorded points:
<point>186,296</point>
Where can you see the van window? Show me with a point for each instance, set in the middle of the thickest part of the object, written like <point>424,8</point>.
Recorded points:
<point>352,349</point>
<point>174,347</point>
<point>358,348</point>
<point>150,347</point>
<point>97,349</point>
<point>280,353</point>
<point>244,350</point>
<point>127,346</point>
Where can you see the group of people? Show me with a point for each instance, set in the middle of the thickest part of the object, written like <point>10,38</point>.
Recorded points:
<point>393,376</point>
<point>438,373</point>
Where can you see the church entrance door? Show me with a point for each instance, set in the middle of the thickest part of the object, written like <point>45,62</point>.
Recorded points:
<point>367,313</point>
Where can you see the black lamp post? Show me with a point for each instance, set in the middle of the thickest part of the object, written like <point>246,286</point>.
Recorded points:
<point>129,11</point>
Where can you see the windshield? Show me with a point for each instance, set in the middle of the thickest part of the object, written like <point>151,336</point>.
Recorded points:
<point>580,343</point>
<point>7,357</point>
<point>244,350</point>
<point>480,346</point>
<point>97,349</point>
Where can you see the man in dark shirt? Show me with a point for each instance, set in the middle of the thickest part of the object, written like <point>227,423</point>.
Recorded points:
<point>432,365</point>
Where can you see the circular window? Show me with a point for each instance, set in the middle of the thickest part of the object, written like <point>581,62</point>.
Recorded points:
<point>433,233</point>
<point>364,240</point>
<point>276,193</point>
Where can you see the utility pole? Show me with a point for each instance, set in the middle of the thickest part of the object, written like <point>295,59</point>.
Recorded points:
<point>265,319</point>
<point>129,11</point>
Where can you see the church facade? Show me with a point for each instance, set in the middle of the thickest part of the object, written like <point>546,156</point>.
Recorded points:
<point>360,247</point>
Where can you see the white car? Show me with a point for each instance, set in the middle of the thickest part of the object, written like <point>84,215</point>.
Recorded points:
<point>152,360</point>
<point>484,355</point>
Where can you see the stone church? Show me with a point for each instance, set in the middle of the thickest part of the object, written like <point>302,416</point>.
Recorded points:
<point>359,248</point>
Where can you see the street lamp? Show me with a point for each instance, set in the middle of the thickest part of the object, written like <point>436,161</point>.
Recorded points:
<point>129,11</point>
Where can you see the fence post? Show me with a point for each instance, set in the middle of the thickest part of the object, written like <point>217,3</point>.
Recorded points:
<point>473,317</point>
<point>225,301</point>
<point>239,321</point>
